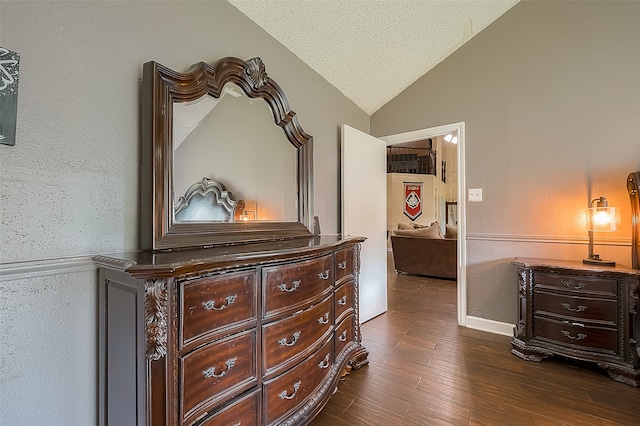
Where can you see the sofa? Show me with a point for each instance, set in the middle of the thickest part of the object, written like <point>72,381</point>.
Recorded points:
<point>425,252</point>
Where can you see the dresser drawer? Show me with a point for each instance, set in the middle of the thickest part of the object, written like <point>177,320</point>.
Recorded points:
<point>591,337</point>
<point>209,375</point>
<point>244,411</point>
<point>344,264</point>
<point>344,334</point>
<point>291,389</point>
<point>592,309</point>
<point>605,286</point>
<point>294,285</point>
<point>209,305</point>
<point>344,302</point>
<point>287,338</point>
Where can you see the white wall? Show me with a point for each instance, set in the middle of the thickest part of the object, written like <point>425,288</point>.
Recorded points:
<point>69,187</point>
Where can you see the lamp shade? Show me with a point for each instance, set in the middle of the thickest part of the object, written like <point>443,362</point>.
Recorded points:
<point>601,217</point>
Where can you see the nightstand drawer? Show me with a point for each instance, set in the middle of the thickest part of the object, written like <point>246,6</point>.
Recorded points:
<point>590,309</point>
<point>594,285</point>
<point>573,333</point>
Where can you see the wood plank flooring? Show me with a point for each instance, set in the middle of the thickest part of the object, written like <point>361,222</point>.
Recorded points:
<point>425,370</point>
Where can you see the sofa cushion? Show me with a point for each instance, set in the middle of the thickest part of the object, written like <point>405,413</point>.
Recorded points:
<point>424,232</point>
<point>405,226</point>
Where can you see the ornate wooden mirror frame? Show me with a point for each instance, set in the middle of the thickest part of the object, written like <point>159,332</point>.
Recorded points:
<point>633,184</point>
<point>162,87</point>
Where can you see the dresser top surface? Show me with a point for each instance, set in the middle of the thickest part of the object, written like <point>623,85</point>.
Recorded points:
<point>166,264</point>
<point>573,265</point>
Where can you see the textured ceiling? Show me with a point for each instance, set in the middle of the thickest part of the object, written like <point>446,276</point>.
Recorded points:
<point>372,50</point>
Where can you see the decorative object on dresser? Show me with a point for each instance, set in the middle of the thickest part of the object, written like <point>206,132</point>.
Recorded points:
<point>600,218</point>
<point>220,319</point>
<point>579,311</point>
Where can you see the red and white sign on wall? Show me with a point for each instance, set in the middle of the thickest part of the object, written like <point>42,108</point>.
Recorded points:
<point>412,199</point>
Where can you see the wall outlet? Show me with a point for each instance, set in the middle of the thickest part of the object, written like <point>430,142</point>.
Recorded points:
<point>475,195</point>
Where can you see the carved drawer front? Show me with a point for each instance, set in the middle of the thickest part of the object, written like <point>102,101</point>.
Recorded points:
<point>293,285</point>
<point>290,390</point>
<point>210,375</point>
<point>591,309</point>
<point>574,333</point>
<point>244,411</point>
<point>344,264</point>
<point>344,302</point>
<point>344,334</point>
<point>211,304</point>
<point>576,283</point>
<point>287,338</point>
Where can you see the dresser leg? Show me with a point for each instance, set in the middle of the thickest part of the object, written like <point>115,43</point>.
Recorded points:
<point>528,353</point>
<point>621,374</point>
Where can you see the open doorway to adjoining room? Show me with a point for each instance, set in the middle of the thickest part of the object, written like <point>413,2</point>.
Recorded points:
<point>425,188</point>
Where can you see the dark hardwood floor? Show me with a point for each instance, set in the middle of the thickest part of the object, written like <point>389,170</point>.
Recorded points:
<point>425,370</point>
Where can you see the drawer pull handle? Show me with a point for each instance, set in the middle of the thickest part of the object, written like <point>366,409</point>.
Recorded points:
<point>580,336</point>
<point>284,395</point>
<point>211,372</point>
<point>325,362</point>
<point>343,300</point>
<point>283,287</point>
<point>324,319</point>
<point>210,305</point>
<point>284,342</point>
<point>342,265</point>
<point>324,275</point>
<point>570,284</point>
<point>580,308</point>
<point>343,336</point>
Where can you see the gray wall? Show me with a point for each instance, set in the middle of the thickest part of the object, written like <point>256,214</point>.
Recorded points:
<point>69,188</point>
<point>550,96</point>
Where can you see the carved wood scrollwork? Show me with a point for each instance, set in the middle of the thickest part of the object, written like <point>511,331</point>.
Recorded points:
<point>155,319</point>
<point>634,297</point>
<point>522,282</point>
<point>520,327</point>
<point>257,72</point>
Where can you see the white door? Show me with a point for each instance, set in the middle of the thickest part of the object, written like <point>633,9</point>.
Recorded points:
<point>364,213</point>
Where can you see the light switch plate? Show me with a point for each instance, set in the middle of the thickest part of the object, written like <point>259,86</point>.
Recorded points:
<point>475,195</point>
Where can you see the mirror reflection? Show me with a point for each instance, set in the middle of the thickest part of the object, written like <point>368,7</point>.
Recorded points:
<point>232,141</point>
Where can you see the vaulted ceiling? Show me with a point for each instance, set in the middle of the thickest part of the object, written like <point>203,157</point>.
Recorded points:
<point>371,50</point>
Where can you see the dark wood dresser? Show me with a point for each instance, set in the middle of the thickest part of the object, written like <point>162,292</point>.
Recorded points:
<point>255,334</point>
<point>579,311</point>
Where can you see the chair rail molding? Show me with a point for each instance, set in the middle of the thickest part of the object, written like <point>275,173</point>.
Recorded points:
<point>13,271</point>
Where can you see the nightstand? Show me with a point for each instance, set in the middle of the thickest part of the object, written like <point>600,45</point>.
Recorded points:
<point>579,311</point>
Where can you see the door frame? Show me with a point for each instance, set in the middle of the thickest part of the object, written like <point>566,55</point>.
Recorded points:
<point>462,227</point>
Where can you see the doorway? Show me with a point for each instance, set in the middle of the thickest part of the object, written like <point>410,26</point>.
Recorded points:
<point>455,130</point>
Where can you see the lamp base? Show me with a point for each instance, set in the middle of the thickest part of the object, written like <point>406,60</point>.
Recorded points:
<point>598,261</point>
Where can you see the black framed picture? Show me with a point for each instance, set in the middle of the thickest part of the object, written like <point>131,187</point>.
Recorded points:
<point>9,63</point>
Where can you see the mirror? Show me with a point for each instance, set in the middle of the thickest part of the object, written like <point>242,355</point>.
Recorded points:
<point>225,160</point>
<point>202,130</point>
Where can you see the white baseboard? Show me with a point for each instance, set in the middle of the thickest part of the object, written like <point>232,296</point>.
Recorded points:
<point>491,326</point>
<point>45,267</point>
